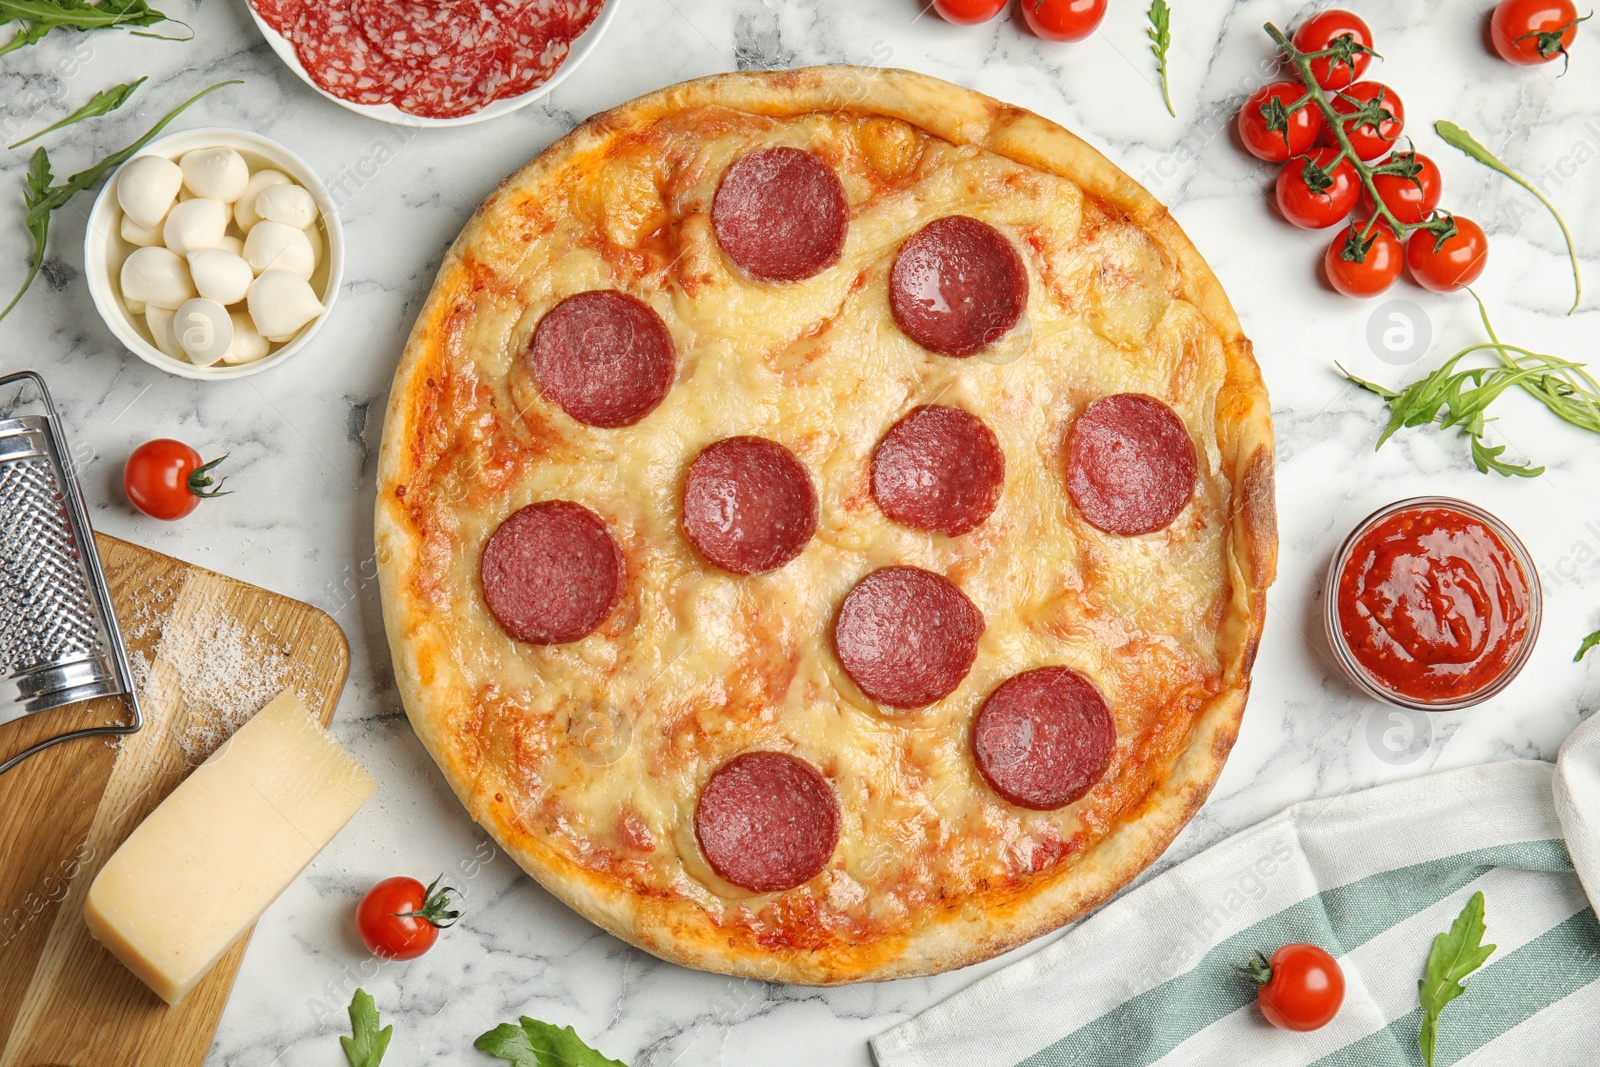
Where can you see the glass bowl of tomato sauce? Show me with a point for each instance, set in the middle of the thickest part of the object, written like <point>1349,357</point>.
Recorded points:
<point>1432,604</point>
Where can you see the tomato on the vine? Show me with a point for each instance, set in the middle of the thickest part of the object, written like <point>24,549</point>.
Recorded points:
<point>400,920</point>
<point>1534,31</point>
<point>1371,139</point>
<point>1409,199</point>
<point>1364,262</point>
<point>166,479</point>
<point>1447,265</point>
<point>1063,20</point>
<point>1319,32</point>
<point>1317,190</point>
<point>1301,987</point>
<point>968,12</point>
<point>1270,130</point>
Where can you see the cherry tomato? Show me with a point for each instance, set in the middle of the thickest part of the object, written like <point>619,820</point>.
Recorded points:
<point>1410,200</point>
<point>1379,266</point>
<point>400,920</point>
<point>1302,987</point>
<point>1370,141</point>
<point>1534,31</point>
<point>1317,208</point>
<point>1447,266</point>
<point>1297,130</point>
<point>1063,20</point>
<point>968,12</point>
<point>1319,32</point>
<point>166,479</point>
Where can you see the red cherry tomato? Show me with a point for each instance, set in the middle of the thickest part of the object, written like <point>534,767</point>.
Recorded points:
<point>1410,200</point>
<point>166,479</point>
<point>1447,266</point>
<point>968,12</point>
<point>1298,129</point>
<point>1317,209</point>
<point>400,920</point>
<point>1319,32</point>
<point>1302,987</point>
<point>1063,20</point>
<point>1534,31</point>
<point>1378,267</point>
<point>1370,141</point>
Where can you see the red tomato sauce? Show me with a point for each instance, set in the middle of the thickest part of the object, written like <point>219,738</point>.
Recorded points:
<point>1433,605</point>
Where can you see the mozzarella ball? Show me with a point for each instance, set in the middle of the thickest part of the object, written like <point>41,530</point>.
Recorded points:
<point>156,276</point>
<point>146,188</point>
<point>135,307</point>
<point>275,246</point>
<point>280,303</point>
<point>203,330</point>
<point>288,204</point>
<point>159,322</point>
<point>314,236</point>
<point>215,173</point>
<point>248,344</point>
<point>197,223</point>
<point>244,211</point>
<point>134,234</point>
<point>233,244</point>
<point>220,275</point>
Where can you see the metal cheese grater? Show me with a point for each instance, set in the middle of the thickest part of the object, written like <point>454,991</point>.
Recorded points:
<point>59,642</point>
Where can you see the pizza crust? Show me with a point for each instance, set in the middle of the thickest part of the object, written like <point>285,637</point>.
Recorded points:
<point>680,930</point>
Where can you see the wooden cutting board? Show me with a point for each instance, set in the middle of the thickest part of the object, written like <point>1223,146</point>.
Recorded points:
<point>207,647</point>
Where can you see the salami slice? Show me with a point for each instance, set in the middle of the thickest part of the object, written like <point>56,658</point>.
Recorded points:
<point>1130,464</point>
<point>957,286</point>
<point>939,469</point>
<point>767,822</point>
<point>604,357</point>
<point>780,213</point>
<point>1044,738</point>
<point>748,505</point>
<point>551,573</point>
<point>907,636</point>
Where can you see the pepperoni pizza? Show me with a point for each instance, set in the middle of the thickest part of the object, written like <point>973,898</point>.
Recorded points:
<point>824,521</point>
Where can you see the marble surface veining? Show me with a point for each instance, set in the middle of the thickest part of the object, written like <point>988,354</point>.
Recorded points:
<point>303,440</point>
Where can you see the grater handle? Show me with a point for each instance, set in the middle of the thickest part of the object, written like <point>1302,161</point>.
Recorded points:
<point>80,521</point>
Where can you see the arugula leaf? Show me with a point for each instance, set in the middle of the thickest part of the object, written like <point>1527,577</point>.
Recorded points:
<point>1590,643</point>
<point>367,1044</point>
<point>102,103</point>
<point>1460,139</point>
<point>531,1043</point>
<point>1160,33</point>
<point>42,198</point>
<point>42,16</point>
<point>1454,955</point>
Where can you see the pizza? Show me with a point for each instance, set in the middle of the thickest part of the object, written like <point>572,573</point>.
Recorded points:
<point>824,522</point>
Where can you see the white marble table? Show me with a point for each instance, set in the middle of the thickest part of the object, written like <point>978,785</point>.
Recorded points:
<point>303,439</point>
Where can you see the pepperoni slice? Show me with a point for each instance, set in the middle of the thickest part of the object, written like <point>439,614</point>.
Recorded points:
<point>907,636</point>
<point>780,213</point>
<point>748,505</point>
<point>603,356</point>
<point>938,469</point>
<point>957,286</point>
<point>551,573</point>
<point>1044,738</point>
<point>767,822</point>
<point>1130,464</point>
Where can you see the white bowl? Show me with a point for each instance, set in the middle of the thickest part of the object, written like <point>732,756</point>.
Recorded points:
<point>104,250</point>
<point>582,45</point>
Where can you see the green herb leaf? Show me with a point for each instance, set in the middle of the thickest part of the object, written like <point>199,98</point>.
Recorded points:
<point>102,103</point>
<point>367,1044</point>
<point>42,198</point>
<point>41,16</point>
<point>1460,139</point>
<point>1455,955</point>
<point>1160,33</point>
<point>1590,643</point>
<point>531,1043</point>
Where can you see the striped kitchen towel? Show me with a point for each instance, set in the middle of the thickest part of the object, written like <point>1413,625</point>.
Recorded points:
<point>1372,877</point>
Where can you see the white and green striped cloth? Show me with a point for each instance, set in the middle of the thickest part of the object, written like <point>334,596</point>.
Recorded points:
<point>1372,877</point>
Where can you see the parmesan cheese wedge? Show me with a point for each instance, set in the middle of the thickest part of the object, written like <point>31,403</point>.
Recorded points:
<point>200,870</point>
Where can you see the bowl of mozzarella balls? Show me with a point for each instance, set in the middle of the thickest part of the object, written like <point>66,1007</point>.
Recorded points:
<point>214,253</point>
